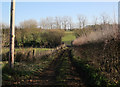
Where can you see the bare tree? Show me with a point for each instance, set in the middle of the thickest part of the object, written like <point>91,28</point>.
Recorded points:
<point>70,23</point>
<point>29,24</point>
<point>58,22</point>
<point>106,26</point>
<point>43,23</point>
<point>47,23</point>
<point>4,26</point>
<point>66,22</point>
<point>95,21</point>
<point>50,22</point>
<point>81,21</point>
<point>105,19</point>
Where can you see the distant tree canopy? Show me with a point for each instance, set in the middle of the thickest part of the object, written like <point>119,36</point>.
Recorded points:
<point>64,22</point>
<point>29,24</point>
<point>4,26</point>
<point>51,29</point>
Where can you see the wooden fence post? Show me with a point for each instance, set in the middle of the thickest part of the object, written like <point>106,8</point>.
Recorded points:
<point>12,34</point>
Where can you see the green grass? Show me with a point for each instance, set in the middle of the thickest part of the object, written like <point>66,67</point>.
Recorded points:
<point>22,53</point>
<point>91,74</point>
<point>24,71</point>
<point>68,37</point>
<point>5,50</point>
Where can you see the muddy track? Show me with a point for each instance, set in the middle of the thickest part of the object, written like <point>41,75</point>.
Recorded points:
<point>67,77</point>
<point>48,75</point>
<point>74,77</point>
<point>59,72</point>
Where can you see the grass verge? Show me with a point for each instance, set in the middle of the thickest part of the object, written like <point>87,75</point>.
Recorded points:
<point>90,75</point>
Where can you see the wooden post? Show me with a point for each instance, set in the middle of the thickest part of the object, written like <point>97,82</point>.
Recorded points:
<point>12,34</point>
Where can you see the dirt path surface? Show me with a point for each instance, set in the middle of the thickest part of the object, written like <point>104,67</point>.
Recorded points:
<point>59,72</point>
<point>72,78</point>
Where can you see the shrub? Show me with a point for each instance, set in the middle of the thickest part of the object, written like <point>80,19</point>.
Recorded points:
<point>52,38</point>
<point>34,37</point>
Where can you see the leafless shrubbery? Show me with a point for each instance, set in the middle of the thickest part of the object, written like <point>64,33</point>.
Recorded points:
<point>97,36</point>
<point>97,32</point>
<point>101,48</point>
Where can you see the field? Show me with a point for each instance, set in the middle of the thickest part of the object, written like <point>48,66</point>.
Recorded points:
<point>68,37</point>
<point>74,66</point>
<point>62,44</point>
<point>27,68</point>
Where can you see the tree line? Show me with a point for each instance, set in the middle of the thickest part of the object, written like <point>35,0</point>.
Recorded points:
<point>50,30</point>
<point>65,22</point>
